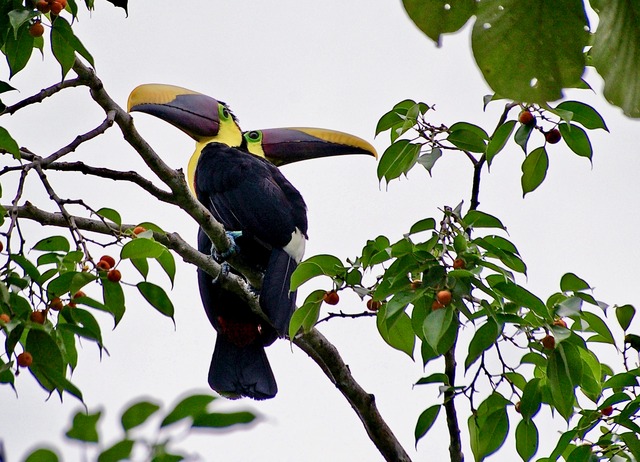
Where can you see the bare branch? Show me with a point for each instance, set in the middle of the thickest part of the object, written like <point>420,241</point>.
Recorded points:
<point>327,357</point>
<point>43,94</point>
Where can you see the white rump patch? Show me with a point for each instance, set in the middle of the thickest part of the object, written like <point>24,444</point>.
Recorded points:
<point>295,247</point>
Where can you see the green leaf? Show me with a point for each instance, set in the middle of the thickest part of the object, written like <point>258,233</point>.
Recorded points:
<point>478,219</point>
<point>8,144</point>
<point>397,331</point>
<point>534,170</point>
<point>483,339</point>
<point>141,248</point>
<point>572,283</point>
<point>625,314</point>
<point>436,326</point>
<point>111,215</point>
<point>318,265</point>
<point>597,325</point>
<point>537,70</point>
<point>423,225</point>
<point>168,264</point>
<point>583,114</point>
<point>397,159</point>
<point>437,17</point>
<point>46,357</point>
<point>522,136</point>
<point>518,294</point>
<point>499,140</point>
<point>621,380</point>
<point>84,427</point>
<point>616,46</point>
<point>306,316</point>
<point>577,140</point>
<point>526,439</point>
<point>157,297</point>
<point>53,244</point>
<point>42,455</point>
<point>467,140</point>
<point>113,296</point>
<point>17,49</point>
<point>119,451</point>
<point>426,421</point>
<point>531,399</point>
<point>580,454</point>
<point>191,406</point>
<point>64,45</point>
<point>488,426</point>
<point>438,377</point>
<point>560,383</point>
<point>429,159</point>
<point>220,420</point>
<point>137,414</point>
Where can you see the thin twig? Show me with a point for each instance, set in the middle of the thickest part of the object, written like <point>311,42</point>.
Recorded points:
<point>43,94</point>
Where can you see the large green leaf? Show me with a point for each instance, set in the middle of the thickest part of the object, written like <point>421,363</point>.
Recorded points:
<point>157,297</point>
<point>437,17</point>
<point>397,159</point>
<point>42,455</point>
<point>318,265</point>
<point>534,170</point>
<point>488,426</point>
<point>397,331</point>
<point>483,339</point>
<point>526,439</point>
<point>426,421</point>
<point>616,52</point>
<point>191,406</point>
<point>84,427</point>
<point>18,48</point>
<point>530,51</point>
<point>137,414</point>
<point>117,452</point>
<point>65,44</point>
<point>560,383</point>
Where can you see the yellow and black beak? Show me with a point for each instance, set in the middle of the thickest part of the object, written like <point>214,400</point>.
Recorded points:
<point>282,146</point>
<point>194,113</point>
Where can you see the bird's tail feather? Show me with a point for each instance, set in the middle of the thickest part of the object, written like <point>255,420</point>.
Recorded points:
<point>276,300</point>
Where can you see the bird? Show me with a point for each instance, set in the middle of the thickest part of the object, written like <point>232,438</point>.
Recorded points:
<point>234,174</point>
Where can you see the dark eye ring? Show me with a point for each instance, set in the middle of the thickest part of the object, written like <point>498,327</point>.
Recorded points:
<point>225,112</point>
<point>254,135</point>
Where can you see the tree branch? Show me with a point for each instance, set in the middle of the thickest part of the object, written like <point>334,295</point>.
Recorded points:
<point>327,357</point>
<point>43,94</point>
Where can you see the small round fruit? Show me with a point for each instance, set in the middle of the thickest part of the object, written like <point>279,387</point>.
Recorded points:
<point>606,411</point>
<point>56,7</point>
<point>553,136</point>
<point>43,6</point>
<point>560,322</point>
<point>526,118</point>
<point>79,294</point>
<point>114,275</point>
<point>549,342</point>
<point>109,259</point>
<point>36,29</point>
<point>63,3</point>
<point>444,297</point>
<point>373,305</point>
<point>139,229</point>
<point>416,284</point>
<point>39,317</point>
<point>25,359</point>
<point>459,263</point>
<point>331,297</point>
<point>517,406</point>
<point>4,317</point>
<point>56,304</point>
<point>103,265</point>
<point>436,305</point>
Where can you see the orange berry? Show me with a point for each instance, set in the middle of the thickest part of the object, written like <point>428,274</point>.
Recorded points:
<point>436,305</point>
<point>56,304</point>
<point>373,305</point>
<point>139,229</point>
<point>63,3</point>
<point>331,297</point>
<point>36,29</point>
<point>444,297</point>
<point>606,411</point>
<point>56,7</point>
<point>43,6</point>
<point>560,322</point>
<point>553,136</point>
<point>416,284</point>
<point>4,317</point>
<point>39,317</point>
<point>459,263</point>
<point>103,265</point>
<point>109,259</point>
<point>517,406</point>
<point>549,342</point>
<point>114,275</point>
<point>79,294</point>
<point>25,359</point>
<point>526,118</point>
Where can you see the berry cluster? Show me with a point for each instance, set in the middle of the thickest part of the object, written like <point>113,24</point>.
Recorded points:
<point>527,118</point>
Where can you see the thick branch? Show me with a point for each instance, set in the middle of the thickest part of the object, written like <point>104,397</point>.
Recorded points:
<point>363,403</point>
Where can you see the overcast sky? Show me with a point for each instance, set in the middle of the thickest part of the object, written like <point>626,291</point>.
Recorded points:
<point>331,64</point>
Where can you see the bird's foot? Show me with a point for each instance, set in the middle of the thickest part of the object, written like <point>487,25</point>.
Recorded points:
<point>232,250</point>
<point>224,270</point>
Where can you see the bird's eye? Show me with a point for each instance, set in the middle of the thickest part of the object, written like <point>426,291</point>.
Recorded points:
<point>253,135</point>
<point>224,112</point>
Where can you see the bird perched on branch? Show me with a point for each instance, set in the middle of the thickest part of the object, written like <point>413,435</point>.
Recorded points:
<point>234,175</point>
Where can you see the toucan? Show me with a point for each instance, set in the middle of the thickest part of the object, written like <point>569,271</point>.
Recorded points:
<point>234,175</point>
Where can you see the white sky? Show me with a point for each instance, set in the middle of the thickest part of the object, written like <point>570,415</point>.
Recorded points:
<point>332,64</point>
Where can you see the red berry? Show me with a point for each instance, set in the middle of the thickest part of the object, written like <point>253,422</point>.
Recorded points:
<point>459,263</point>
<point>79,294</point>
<point>444,297</point>
<point>43,6</point>
<point>517,406</point>
<point>36,29</point>
<point>549,342</point>
<point>4,317</point>
<point>526,118</point>
<point>139,229</point>
<point>1,246</point>
<point>114,275</point>
<point>331,298</point>
<point>63,3</point>
<point>373,305</point>
<point>436,305</point>
<point>25,359</point>
<point>553,136</point>
<point>103,265</point>
<point>56,7</point>
<point>416,284</point>
<point>560,322</point>
<point>109,259</point>
<point>39,317</point>
<point>56,304</point>
<point>606,411</point>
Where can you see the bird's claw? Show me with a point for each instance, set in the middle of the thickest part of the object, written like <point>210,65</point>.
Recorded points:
<point>233,249</point>
<point>224,270</point>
